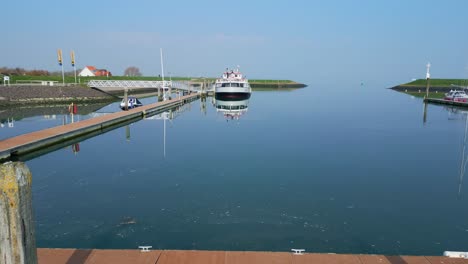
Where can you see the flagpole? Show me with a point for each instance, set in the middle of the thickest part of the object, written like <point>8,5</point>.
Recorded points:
<point>73,63</point>
<point>63,76</point>
<point>60,61</point>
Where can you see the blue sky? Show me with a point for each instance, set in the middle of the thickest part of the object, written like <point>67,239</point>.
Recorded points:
<point>309,41</point>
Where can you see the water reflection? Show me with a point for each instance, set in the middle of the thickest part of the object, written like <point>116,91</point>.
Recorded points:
<point>456,113</point>
<point>464,160</point>
<point>232,110</point>
<point>9,123</point>
<point>47,112</point>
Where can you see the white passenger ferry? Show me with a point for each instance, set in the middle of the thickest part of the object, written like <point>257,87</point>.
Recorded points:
<point>232,86</point>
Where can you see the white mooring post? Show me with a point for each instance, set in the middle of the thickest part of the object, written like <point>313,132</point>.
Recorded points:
<point>17,235</point>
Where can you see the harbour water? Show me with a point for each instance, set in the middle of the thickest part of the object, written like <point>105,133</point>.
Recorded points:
<point>330,169</point>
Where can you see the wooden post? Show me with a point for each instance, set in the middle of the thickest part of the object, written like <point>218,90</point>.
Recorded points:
<point>17,236</point>
<point>427,87</point>
<point>126,99</point>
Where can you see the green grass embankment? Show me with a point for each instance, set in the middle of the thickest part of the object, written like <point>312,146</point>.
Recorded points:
<point>437,88</point>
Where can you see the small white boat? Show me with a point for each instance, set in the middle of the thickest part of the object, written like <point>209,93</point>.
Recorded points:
<point>132,102</point>
<point>232,86</point>
<point>456,254</point>
<point>456,96</point>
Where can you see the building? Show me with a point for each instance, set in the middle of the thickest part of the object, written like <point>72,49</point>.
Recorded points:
<point>92,71</point>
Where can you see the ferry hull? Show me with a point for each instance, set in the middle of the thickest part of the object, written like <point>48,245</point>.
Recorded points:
<point>232,96</point>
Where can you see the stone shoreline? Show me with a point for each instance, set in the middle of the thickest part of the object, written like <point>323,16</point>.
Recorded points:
<point>417,89</point>
<point>29,95</point>
<point>255,85</point>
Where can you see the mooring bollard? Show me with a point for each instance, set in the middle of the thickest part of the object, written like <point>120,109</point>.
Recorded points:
<point>17,235</point>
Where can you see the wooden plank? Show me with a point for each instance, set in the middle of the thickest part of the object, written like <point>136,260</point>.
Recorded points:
<point>373,259</point>
<point>246,257</point>
<point>62,256</point>
<point>192,257</point>
<point>82,256</point>
<point>407,260</point>
<point>446,260</point>
<point>123,257</point>
<point>326,259</point>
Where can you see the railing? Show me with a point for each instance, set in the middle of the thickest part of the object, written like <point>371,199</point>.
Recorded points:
<point>129,84</point>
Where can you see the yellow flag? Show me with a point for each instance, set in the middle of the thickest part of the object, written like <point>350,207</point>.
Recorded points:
<point>72,54</point>
<point>59,56</point>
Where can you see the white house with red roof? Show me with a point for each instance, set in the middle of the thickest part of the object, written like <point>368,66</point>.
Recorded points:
<point>92,71</point>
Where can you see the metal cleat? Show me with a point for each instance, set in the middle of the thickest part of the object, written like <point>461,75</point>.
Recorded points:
<point>145,248</point>
<point>298,251</point>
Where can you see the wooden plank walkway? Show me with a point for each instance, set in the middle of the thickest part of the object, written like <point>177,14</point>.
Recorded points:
<point>95,256</point>
<point>40,139</point>
<point>445,102</point>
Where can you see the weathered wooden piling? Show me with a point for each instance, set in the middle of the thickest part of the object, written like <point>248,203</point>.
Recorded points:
<point>17,235</point>
<point>126,99</point>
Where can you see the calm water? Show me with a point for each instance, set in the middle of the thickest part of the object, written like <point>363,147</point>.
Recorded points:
<point>329,169</point>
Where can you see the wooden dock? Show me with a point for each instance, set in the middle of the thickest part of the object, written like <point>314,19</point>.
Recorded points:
<point>95,256</point>
<point>445,102</point>
<point>35,141</point>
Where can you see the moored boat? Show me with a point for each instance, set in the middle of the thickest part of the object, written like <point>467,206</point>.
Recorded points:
<point>132,102</point>
<point>232,86</point>
<point>456,96</point>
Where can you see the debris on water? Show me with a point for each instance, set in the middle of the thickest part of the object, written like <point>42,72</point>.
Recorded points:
<point>127,220</point>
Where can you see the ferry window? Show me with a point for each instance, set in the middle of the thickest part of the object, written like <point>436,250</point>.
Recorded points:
<point>225,85</point>
<point>234,85</point>
<point>241,85</point>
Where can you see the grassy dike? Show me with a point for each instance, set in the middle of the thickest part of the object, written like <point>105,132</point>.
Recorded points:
<point>83,80</point>
<point>437,89</point>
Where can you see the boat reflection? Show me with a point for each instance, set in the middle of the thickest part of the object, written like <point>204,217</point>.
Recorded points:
<point>232,110</point>
<point>9,122</point>
<point>457,113</point>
